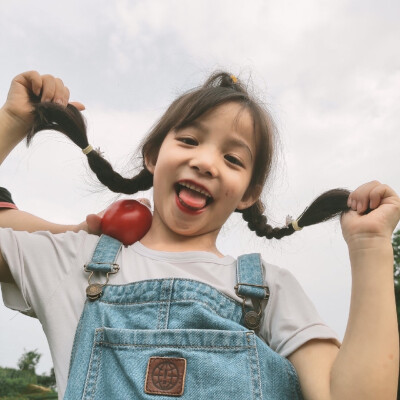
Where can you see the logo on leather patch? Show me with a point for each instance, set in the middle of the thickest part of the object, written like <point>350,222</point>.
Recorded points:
<point>165,376</point>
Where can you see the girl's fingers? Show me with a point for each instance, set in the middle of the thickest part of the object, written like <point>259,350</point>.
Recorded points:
<point>61,93</point>
<point>31,80</point>
<point>35,82</point>
<point>369,195</point>
<point>48,88</point>
<point>55,90</point>
<point>357,200</point>
<point>379,193</point>
<point>94,223</point>
<point>66,96</point>
<point>145,201</point>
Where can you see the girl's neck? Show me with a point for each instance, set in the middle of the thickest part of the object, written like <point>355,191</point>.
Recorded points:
<point>161,239</point>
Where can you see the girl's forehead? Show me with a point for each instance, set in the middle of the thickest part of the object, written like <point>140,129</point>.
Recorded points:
<point>233,116</point>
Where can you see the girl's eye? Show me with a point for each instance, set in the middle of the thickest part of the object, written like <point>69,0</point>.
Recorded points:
<point>188,140</point>
<point>234,160</point>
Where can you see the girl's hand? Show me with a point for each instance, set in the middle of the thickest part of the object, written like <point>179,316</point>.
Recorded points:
<point>28,85</point>
<point>374,214</point>
<point>93,221</point>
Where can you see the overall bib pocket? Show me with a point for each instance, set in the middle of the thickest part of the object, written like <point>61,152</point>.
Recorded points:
<point>158,364</point>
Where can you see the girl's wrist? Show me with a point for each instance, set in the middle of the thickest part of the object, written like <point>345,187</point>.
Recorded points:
<point>369,243</point>
<point>371,253</point>
<point>80,227</point>
<point>12,126</point>
<point>12,132</point>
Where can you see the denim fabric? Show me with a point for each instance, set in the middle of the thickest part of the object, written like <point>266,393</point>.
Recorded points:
<point>249,271</point>
<point>179,318</point>
<point>104,255</point>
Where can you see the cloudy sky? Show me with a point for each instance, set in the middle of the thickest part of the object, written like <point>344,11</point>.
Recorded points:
<point>329,72</point>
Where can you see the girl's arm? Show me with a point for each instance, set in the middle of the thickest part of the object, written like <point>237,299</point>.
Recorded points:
<point>16,120</point>
<point>367,364</point>
<point>24,221</point>
<point>12,217</point>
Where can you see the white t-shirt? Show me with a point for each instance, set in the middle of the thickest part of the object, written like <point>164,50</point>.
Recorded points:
<point>51,282</point>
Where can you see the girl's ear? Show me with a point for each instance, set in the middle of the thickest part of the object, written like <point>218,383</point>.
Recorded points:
<point>149,163</point>
<point>250,197</point>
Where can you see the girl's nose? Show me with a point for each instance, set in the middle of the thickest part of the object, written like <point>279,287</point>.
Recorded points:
<point>205,164</point>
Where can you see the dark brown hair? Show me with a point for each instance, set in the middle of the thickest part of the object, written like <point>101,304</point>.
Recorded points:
<point>219,89</point>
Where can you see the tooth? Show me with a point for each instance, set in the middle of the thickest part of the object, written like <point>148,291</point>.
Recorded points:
<point>192,187</point>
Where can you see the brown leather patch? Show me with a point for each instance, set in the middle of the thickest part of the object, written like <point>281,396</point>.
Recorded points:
<point>165,376</point>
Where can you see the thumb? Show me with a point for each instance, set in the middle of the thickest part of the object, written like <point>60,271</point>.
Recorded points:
<point>94,223</point>
<point>78,105</point>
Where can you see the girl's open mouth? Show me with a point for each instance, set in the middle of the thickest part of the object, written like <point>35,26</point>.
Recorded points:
<point>192,197</point>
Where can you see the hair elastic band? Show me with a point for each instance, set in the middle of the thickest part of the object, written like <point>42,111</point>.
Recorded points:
<point>87,150</point>
<point>296,226</point>
<point>234,79</point>
<point>293,222</point>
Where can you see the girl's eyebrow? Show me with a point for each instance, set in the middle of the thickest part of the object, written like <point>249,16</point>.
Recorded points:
<point>240,143</point>
<point>232,140</point>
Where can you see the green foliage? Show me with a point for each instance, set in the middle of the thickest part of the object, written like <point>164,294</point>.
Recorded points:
<point>23,383</point>
<point>29,360</point>
<point>396,269</point>
<point>14,381</point>
<point>47,380</point>
<point>396,252</point>
<point>37,396</point>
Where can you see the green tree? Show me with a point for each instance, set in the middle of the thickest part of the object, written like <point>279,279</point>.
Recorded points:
<point>23,383</point>
<point>29,360</point>
<point>396,252</point>
<point>396,268</point>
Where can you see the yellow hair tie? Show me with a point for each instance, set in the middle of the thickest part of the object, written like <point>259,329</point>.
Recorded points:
<point>294,223</point>
<point>296,226</point>
<point>87,150</point>
<point>234,79</point>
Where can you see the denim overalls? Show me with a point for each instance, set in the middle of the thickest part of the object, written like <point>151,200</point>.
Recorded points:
<point>159,338</point>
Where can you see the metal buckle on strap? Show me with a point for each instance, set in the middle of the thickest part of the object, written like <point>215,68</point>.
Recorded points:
<point>95,290</point>
<point>114,266</point>
<point>252,318</point>
<point>266,289</point>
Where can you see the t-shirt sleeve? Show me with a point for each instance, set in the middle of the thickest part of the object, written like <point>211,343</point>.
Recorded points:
<point>290,318</point>
<point>39,262</point>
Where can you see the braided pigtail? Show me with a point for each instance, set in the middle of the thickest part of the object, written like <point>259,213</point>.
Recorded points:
<point>325,207</point>
<point>257,222</point>
<point>70,122</point>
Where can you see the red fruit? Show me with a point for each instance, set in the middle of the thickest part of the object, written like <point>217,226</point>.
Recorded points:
<point>126,220</point>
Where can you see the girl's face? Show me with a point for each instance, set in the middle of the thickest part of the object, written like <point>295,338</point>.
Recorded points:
<point>202,173</point>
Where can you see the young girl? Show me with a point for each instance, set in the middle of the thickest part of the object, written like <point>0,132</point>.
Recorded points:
<point>186,325</point>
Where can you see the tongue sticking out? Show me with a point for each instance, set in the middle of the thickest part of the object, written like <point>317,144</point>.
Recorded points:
<point>192,198</point>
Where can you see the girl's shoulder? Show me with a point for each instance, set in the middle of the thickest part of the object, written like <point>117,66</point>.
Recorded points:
<point>56,247</point>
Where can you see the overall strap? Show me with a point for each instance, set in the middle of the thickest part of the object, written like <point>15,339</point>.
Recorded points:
<point>249,275</point>
<point>103,260</point>
<point>105,255</point>
<point>250,284</point>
